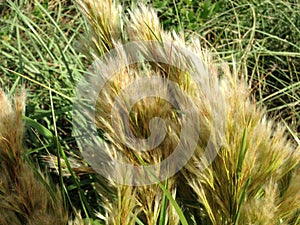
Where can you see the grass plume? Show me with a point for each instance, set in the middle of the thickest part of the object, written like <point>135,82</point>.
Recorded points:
<point>254,178</point>
<point>26,197</point>
<point>255,166</point>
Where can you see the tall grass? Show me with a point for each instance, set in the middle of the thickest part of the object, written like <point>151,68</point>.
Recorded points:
<point>26,196</point>
<point>253,180</point>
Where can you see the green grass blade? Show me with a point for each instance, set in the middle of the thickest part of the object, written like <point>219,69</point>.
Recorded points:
<point>163,211</point>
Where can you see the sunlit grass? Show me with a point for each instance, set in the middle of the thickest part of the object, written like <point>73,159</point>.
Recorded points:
<point>46,46</point>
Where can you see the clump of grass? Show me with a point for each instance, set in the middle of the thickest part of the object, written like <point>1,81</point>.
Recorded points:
<point>252,171</point>
<point>251,180</point>
<point>38,46</point>
<point>26,196</point>
<point>254,165</point>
